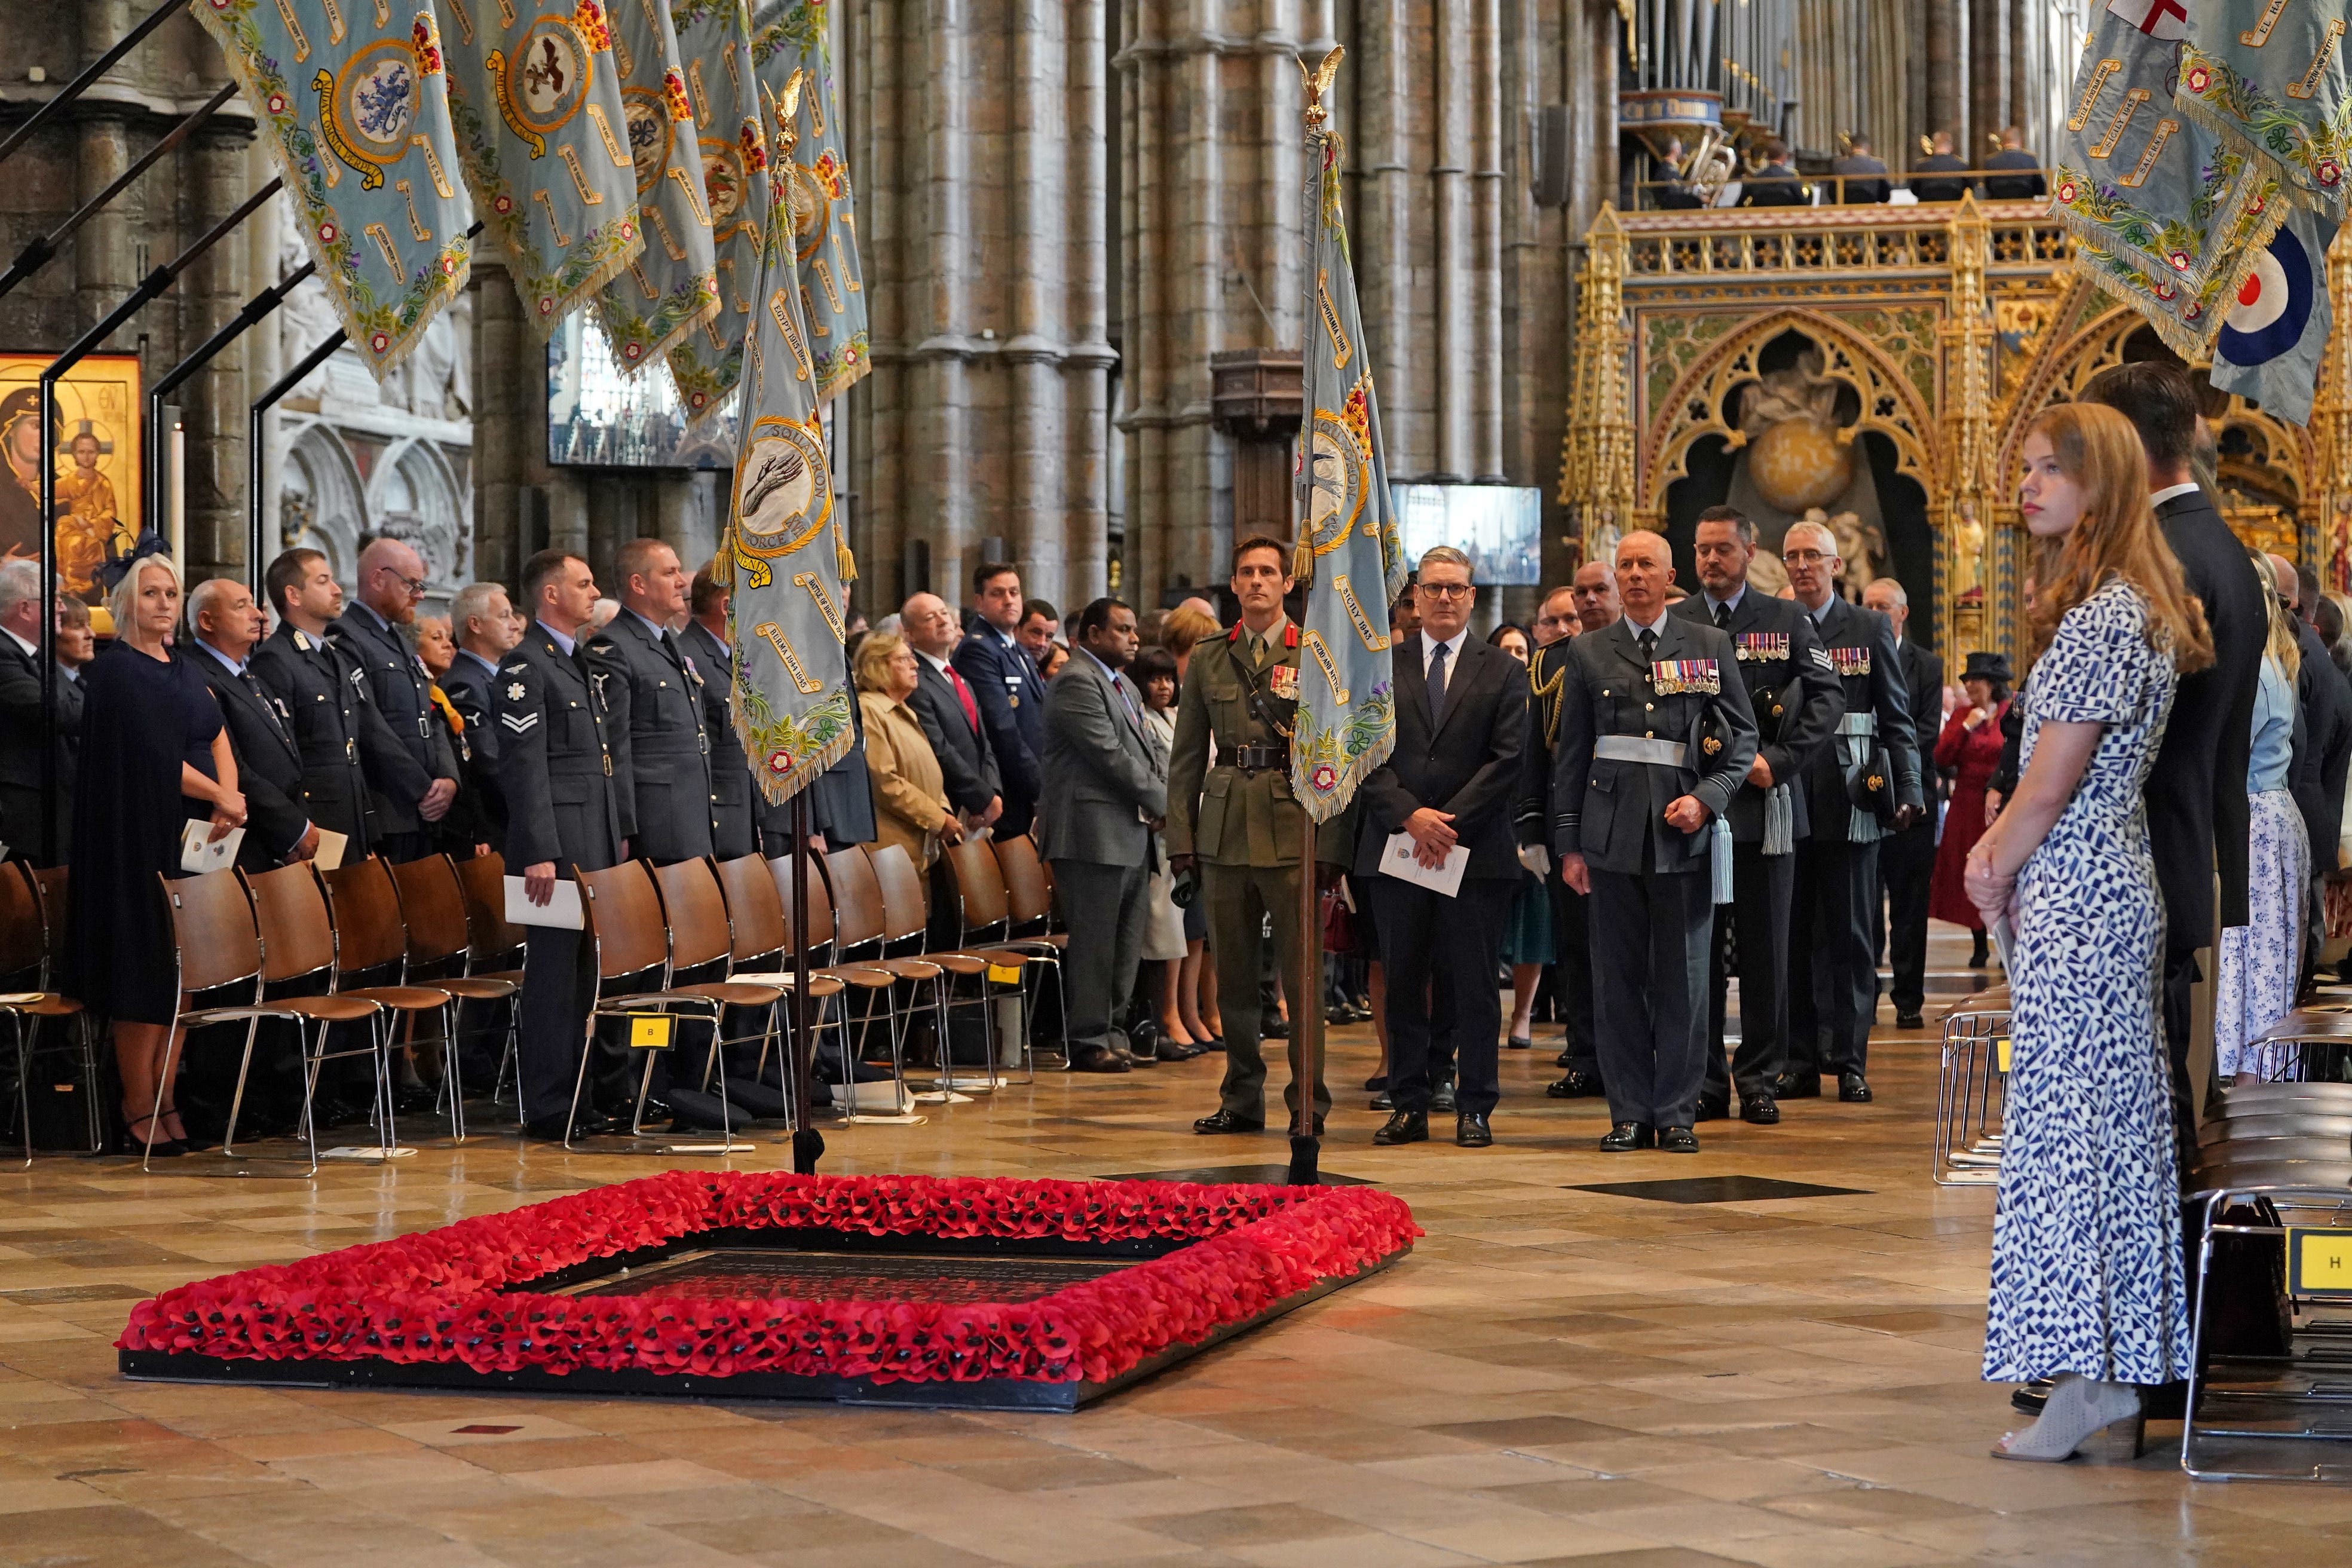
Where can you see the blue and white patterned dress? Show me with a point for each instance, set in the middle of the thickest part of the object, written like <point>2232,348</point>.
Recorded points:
<point>2086,1270</point>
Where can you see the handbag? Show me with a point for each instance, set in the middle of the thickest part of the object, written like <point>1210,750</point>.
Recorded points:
<point>1339,922</point>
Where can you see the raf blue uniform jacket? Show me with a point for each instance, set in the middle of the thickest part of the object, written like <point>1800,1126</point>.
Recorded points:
<point>563,759</point>
<point>1614,812</point>
<point>1011,696</point>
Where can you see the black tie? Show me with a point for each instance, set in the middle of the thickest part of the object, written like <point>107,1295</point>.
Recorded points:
<point>253,689</point>
<point>1437,688</point>
<point>1723,617</point>
<point>1649,645</point>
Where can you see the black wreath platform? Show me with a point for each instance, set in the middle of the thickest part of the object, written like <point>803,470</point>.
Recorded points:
<point>913,1290</point>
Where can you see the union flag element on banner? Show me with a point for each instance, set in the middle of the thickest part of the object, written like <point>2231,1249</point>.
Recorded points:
<point>2272,82</point>
<point>673,286</point>
<point>782,545</point>
<point>714,40</point>
<point>813,162</point>
<point>1351,556</point>
<point>536,100</point>
<point>352,105</point>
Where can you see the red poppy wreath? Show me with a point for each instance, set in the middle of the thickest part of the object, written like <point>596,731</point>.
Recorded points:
<point>457,1296</point>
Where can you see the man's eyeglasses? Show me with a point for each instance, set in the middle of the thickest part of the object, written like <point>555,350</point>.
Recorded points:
<point>1445,589</point>
<point>1806,557</point>
<point>414,585</point>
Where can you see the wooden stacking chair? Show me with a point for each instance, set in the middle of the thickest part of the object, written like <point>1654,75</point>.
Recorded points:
<point>627,936</point>
<point>761,954</point>
<point>864,933</point>
<point>26,950</point>
<point>494,947</point>
<point>433,907</point>
<point>702,934</point>
<point>1030,918</point>
<point>904,910</point>
<point>860,980</point>
<point>984,923</point>
<point>229,929</point>
<point>371,939</point>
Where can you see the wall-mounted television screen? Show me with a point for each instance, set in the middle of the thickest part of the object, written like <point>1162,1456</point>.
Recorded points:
<point>597,418</point>
<point>1499,527</point>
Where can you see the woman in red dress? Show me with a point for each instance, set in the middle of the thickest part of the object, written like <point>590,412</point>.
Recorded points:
<point>1969,745</point>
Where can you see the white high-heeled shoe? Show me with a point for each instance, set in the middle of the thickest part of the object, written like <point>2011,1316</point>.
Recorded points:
<point>2077,1407</point>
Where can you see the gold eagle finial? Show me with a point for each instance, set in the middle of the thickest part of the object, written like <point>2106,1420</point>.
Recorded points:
<point>1317,81</point>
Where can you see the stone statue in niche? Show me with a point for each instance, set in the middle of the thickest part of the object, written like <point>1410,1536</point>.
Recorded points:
<point>1797,457</point>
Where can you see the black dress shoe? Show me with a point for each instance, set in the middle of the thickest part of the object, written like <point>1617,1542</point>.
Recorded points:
<point>411,1098</point>
<point>549,1129</point>
<point>1441,1099</point>
<point>1853,1088</point>
<point>1274,1029</point>
<point>1678,1140</point>
<point>1382,1101</point>
<point>1565,1059</point>
<point>1574,1085</point>
<point>1714,1109</point>
<point>1910,1020</point>
<point>1378,1081</point>
<point>1470,1131</point>
<point>1404,1127</point>
<point>1100,1058</point>
<point>1793,1086</point>
<point>1226,1121</point>
<point>1759,1110</point>
<point>1145,1058</point>
<point>1627,1136</point>
<point>1169,1051</point>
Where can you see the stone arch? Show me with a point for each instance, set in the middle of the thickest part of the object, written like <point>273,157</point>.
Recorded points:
<point>415,496</point>
<point>1891,404</point>
<point>322,500</point>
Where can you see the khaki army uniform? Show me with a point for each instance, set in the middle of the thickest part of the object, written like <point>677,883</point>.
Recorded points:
<point>1239,820</point>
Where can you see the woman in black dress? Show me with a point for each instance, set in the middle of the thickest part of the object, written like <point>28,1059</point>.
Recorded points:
<point>157,754</point>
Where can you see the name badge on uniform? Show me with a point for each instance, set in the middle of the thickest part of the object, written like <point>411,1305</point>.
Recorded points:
<point>1677,676</point>
<point>1286,682</point>
<point>1850,660</point>
<point>1761,647</point>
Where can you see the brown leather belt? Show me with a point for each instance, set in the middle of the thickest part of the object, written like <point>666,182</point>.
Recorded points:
<point>1260,759</point>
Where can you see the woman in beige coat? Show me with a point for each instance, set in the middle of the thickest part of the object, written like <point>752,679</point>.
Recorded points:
<point>910,799</point>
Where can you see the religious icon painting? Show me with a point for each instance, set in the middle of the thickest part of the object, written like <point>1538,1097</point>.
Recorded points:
<point>96,456</point>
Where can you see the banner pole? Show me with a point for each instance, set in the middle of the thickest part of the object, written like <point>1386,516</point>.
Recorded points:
<point>808,1144</point>
<point>1306,988</point>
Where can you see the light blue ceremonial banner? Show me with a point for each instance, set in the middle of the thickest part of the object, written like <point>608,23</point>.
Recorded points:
<point>536,100</point>
<point>2275,332</point>
<point>1347,540</point>
<point>673,286</point>
<point>2170,213</point>
<point>813,160</point>
<point>2272,77</point>
<point>352,105</point>
<point>714,40</point>
<point>784,546</point>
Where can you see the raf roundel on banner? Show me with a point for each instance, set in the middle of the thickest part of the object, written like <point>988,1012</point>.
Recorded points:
<point>2273,307</point>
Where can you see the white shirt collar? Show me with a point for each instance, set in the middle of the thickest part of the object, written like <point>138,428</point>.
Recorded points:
<point>233,666</point>
<point>32,650</point>
<point>1658,626</point>
<point>2168,491</point>
<point>1452,645</point>
<point>565,643</point>
<point>934,660</point>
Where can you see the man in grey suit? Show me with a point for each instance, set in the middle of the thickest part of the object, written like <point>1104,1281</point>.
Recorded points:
<point>950,711</point>
<point>1105,794</point>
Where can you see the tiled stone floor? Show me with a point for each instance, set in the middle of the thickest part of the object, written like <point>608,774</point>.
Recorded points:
<point>1553,1375</point>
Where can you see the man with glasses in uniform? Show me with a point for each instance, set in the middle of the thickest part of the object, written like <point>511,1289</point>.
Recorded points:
<point>391,585</point>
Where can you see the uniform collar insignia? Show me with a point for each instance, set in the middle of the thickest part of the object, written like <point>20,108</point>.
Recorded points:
<point>302,639</point>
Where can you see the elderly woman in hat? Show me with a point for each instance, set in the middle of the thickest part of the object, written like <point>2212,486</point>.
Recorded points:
<point>1969,749</point>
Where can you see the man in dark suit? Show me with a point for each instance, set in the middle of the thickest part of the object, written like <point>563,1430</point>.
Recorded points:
<point>949,710</point>
<point>1671,193</point>
<point>1009,692</point>
<point>2198,822</point>
<point>657,697</point>
<point>1942,164</point>
<point>350,758</point>
<point>1452,780</point>
<point>1775,184</point>
<point>277,826</point>
<point>1833,975</point>
<point>1861,177</point>
<point>486,628</point>
<point>391,579</point>
<point>1797,703</point>
<point>1655,736</point>
<point>1906,860</point>
<point>1105,794</point>
<point>21,722</point>
<point>2021,179</point>
<point>563,765</point>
